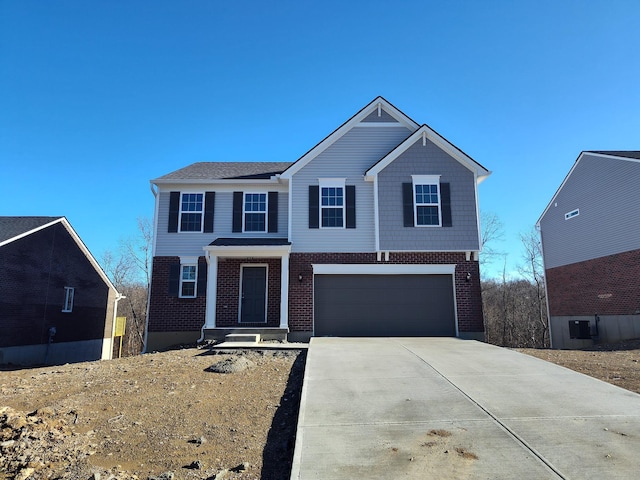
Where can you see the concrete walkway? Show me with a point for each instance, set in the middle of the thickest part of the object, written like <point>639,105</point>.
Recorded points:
<point>448,408</point>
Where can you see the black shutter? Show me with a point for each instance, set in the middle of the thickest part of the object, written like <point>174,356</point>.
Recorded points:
<point>351,206</point>
<point>174,210</point>
<point>174,279</point>
<point>273,212</point>
<point>209,203</point>
<point>314,206</point>
<point>445,202</point>
<point>407,204</point>
<point>202,279</point>
<point>237,212</point>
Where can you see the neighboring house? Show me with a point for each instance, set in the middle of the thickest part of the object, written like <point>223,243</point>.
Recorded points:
<point>373,232</point>
<point>591,247</point>
<point>56,304</point>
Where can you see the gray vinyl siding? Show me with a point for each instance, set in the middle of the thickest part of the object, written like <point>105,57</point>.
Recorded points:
<point>349,157</point>
<point>191,243</point>
<point>606,192</point>
<point>427,160</point>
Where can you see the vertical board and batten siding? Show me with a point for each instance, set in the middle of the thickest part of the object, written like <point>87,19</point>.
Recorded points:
<point>427,160</point>
<point>349,157</point>
<point>606,192</point>
<point>191,243</point>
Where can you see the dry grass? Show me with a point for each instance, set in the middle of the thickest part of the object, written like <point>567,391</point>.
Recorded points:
<point>615,363</point>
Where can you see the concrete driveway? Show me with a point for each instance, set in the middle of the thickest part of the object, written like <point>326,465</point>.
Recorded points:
<point>449,408</point>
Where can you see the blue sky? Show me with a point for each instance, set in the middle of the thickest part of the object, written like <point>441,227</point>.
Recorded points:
<point>97,98</point>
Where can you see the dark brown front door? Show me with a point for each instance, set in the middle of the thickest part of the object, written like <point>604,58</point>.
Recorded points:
<point>253,302</point>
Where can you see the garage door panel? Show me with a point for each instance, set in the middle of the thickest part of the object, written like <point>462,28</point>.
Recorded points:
<point>384,305</point>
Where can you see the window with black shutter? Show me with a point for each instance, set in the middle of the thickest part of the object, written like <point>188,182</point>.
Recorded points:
<point>426,202</point>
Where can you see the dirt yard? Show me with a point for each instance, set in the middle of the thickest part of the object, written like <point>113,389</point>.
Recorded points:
<point>616,363</point>
<point>169,415</point>
<point>163,415</point>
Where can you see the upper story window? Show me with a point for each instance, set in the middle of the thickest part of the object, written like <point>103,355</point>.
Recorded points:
<point>191,207</point>
<point>332,203</point>
<point>188,279</point>
<point>69,293</point>
<point>255,212</point>
<point>426,191</point>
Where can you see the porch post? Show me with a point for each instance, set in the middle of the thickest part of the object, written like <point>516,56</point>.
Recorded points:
<point>284,291</point>
<point>212,289</point>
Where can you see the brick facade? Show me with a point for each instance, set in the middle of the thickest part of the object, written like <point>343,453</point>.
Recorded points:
<point>469,300</point>
<point>604,286</point>
<point>228,299</point>
<point>170,314</point>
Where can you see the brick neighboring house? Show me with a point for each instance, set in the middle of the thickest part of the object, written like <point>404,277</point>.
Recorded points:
<point>373,232</point>
<point>591,248</point>
<point>56,304</point>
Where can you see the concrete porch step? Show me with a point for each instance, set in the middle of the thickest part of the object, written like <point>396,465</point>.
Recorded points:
<point>243,337</point>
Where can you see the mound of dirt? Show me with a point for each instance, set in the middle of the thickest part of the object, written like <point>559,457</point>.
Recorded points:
<point>231,365</point>
<point>162,415</point>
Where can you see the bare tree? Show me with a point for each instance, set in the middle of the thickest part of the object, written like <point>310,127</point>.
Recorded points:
<point>138,249</point>
<point>515,309</point>
<point>491,231</point>
<point>130,271</point>
<point>533,270</point>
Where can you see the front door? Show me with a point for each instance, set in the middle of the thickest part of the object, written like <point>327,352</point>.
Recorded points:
<point>253,295</point>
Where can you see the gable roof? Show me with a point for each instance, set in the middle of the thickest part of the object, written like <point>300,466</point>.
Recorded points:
<point>202,171</point>
<point>427,133</point>
<point>623,155</point>
<point>12,228</point>
<point>377,104</point>
<point>617,153</point>
<point>15,228</point>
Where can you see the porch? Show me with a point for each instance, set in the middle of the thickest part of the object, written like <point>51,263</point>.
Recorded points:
<point>247,288</point>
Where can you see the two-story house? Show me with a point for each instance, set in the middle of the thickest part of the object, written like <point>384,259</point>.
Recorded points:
<point>590,233</point>
<point>372,232</point>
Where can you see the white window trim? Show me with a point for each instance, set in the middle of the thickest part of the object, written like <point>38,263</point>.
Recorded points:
<point>572,214</point>
<point>180,212</point>
<point>69,294</point>
<point>188,262</point>
<point>425,180</point>
<point>266,212</point>
<point>333,183</point>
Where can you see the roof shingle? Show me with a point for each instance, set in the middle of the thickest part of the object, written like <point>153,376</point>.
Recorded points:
<point>13,226</point>
<point>249,242</point>
<point>228,171</point>
<point>618,153</point>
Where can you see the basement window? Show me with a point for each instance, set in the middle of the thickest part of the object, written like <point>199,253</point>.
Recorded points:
<point>571,214</point>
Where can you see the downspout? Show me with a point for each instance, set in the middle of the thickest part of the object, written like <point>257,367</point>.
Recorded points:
<point>201,339</point>
<point>153,254</point>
